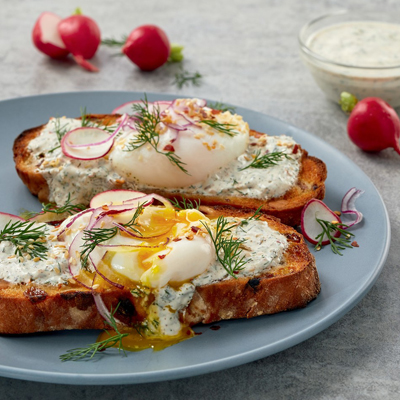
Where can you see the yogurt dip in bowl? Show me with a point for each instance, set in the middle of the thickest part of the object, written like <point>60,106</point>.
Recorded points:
<point>356,53</point>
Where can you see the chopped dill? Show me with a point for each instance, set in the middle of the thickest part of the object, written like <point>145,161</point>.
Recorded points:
<point>146,123</point>
<point>92,349</point>
<point>267,160</point>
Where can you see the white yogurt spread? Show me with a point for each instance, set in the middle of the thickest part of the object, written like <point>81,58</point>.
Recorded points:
<point>262,247</point>
<point>82,179</point>
<point>368,47</point>
<point>51,271</point>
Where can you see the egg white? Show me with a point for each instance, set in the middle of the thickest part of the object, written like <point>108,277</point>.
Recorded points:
<point>201,149</point>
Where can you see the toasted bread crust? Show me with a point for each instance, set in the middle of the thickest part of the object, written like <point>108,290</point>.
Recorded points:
<point>30,308</point>
<point>310,183</point>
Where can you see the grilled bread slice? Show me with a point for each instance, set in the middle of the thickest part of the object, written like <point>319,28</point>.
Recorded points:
<point>310,183</point>
<point>27,308</point>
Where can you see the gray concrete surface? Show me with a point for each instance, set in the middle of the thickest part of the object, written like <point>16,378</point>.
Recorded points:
<point>248,54</point>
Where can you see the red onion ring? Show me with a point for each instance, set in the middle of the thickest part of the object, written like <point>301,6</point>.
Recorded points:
<point>117,285</point>
<point>103,310</point>
<point>348,205</point>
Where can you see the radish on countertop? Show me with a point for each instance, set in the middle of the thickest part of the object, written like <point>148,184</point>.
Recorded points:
<point>373,124</point>
<point>77,34</point>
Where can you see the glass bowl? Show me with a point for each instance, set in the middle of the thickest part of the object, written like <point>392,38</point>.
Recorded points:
<point>357,60</point>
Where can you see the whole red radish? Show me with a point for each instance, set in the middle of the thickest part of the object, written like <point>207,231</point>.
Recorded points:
<point>81,36</point>
<point>373,125</point>
<point>148,47</point>
<point>46,38</point>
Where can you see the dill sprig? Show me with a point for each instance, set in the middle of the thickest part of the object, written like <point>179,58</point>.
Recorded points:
<point>222,107</point>
<point>93,238</point>
<point>111,42</point>
<point>227,248</point>
<point>87,122</point>
<point>27,237</point>
<point>184,78</point>
<point>132,224</point>
<point>92,349</point>
<point>255,217</point>
<point>267,160</point>
<point>142,328</point>
<point>185,204</point>
<point>146,123</point>
<point>68,208</point>
<point>337,243</point>
<point>60,131</point>
<point>220,127</point>
<point>96,236</point>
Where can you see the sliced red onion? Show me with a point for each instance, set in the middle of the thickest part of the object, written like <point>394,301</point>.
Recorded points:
<point>81,283</point>
<point>95,260</point>
<point>74,263</point>
<point>73,219</point>
<point>103,310</point>
<point>162,200</point>
<point>349,205</point>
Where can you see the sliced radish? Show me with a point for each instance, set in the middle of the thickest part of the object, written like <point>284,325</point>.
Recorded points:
<point>46,37</point>
<point>49,217</point>
<point>86,143</point>
<point>114,197</point>
<point>126,108</point>
<point>81,36</point>
<point>309,225</point>
<point>6,218</point>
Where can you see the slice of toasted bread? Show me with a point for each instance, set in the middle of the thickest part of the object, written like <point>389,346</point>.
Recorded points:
<point>294,283</point>
<point>310,183</point>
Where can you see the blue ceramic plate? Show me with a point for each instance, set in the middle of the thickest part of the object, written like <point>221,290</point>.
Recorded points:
<point>345,280</point>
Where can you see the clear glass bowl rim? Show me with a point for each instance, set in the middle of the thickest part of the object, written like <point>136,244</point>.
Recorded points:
<point>318,57</point>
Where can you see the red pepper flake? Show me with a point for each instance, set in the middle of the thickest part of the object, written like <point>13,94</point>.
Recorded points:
<point>176,239</point>
<point>169,147</point>
<point>188,332</point>
<point>295,149</point>
<point>215,328</point>
<point>355,244</point>
<point>236,272</point>
<point>215,112</point>
<point>194,229</point>
<point>198,333</point>
<point>162,256</point>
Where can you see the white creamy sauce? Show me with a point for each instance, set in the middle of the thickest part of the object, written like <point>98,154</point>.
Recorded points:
<point>51,271</point>
<point>263,247</point>
<point>83,179</point>
<point>361,44</point>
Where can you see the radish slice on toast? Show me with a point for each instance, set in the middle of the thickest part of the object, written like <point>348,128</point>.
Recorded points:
<point>114,197</point>
<point>309,225</point>
<point>6,218</point>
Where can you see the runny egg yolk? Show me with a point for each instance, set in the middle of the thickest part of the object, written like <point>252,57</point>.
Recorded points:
<point>171,250</point>
<point>168,247</point>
